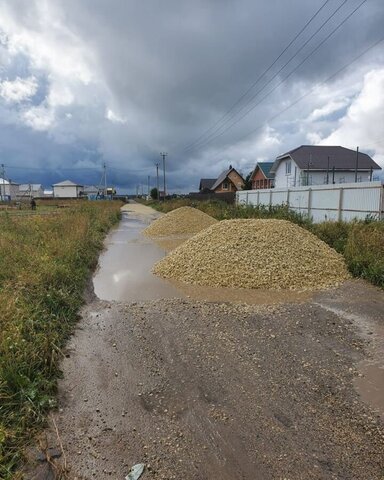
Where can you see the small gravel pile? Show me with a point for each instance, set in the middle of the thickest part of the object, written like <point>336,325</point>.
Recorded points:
<point>265,254</point>
<point>182,221</point>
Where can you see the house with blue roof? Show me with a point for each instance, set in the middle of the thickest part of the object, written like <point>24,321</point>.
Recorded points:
<point>261,176</point>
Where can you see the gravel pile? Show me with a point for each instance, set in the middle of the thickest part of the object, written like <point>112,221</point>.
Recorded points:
<point>265,254</point>
<point>184,220</point>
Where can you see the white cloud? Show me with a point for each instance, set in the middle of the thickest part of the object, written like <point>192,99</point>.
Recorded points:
<point>39,118</point>
<point>114,117</point>
<point>18,90</point>
<point>329,108</point>
<point>363,123</point>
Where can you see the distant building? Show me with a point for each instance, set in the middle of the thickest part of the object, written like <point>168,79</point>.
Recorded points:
<point>27,190</point>
<point>261,176</point>
<point>319,165</point>
<point>67,189</point>
<point>48,193</point>
<point>206,185</point>
<point>228,181</point>
<point>90,191</point>
<point>8,190</point>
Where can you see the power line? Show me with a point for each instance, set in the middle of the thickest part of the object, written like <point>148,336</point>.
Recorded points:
<point>295,102</point>
<point>74,169</point>
<point>252,107</point>
<point>239,100</point>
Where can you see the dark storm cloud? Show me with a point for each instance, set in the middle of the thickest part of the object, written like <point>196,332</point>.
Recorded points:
<point>167,71</point>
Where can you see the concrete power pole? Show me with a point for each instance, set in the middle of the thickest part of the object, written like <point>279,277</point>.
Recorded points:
<point>163,155</point>
<point>105,179</point>
<point>2,186</point>
<point>157,181</point>
<point>149,181</point>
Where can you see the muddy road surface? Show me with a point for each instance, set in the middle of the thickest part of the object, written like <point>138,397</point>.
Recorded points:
<point>222,390</point>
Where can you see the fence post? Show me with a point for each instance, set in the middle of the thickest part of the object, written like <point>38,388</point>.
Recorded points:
<point>288,192</point>
<point>246,198</point>
<point>270,198</point>
<point>309,202</point>
<point>258,197</point>
<point>340,209</point>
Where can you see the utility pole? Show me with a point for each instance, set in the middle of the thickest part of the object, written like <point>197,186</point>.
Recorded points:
<point>357,163</point>
<point>149,180</point>
<point>105,179</point>
<point>157,181</point>
<point>163,155</point>
<point>2,187</point>
<point>309,164</point>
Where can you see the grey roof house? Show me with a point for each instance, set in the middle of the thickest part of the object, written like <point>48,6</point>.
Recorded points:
<point>321,164</point>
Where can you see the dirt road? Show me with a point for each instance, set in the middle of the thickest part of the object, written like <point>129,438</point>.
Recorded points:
<point>202,390</point>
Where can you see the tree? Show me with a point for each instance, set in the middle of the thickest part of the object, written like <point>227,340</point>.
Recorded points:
<point>248,182</point>
<point>154,194</point>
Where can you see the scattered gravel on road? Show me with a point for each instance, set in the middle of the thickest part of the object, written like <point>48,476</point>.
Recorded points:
<point>184,220</point>
<point>268,254</point>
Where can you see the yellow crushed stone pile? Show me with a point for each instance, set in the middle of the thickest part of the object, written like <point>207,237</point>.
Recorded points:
<point>265,254</point>
<point>182,221</point>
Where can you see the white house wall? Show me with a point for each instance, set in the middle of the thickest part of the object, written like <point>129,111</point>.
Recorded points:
<point>65,191</point>
<point>298,177</point>
<point>323,202</point>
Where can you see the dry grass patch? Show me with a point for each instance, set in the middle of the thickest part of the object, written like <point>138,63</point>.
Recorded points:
<point>267,254</point>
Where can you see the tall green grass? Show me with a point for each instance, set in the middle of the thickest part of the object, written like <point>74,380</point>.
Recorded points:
<point>45,264</point>
<point>361,242</point>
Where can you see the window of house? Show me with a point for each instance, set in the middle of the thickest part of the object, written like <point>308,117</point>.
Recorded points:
<point>225,185</point>
<point>257,183</point>
<point>288,166</point>
<point>265,183</point>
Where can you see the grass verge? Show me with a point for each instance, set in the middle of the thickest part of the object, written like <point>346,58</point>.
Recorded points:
<point>361,242</point>
<point>45,263</point>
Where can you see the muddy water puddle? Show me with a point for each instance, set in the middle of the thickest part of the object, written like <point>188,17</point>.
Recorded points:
<point>370,383</point>
<point>124,272</point>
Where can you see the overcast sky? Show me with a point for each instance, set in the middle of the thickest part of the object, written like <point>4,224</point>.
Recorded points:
<point>88,81</point>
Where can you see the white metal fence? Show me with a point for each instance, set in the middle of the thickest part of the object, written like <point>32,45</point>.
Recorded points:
<point>345,201</point>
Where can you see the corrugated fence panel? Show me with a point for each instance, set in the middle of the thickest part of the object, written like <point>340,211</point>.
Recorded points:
<point>327,202</point>
<point>365,199</point>
<point>265,197</point>
<point>279,197</point>
<point>325,199</point>
<point>299,199</point>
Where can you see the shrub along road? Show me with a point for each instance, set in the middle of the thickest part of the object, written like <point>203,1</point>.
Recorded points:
<point>199,390</point>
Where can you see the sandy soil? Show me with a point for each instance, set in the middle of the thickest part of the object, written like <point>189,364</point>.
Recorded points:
<point>201,390</point>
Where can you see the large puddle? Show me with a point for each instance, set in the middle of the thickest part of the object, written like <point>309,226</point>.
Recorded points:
<point>124,272</point>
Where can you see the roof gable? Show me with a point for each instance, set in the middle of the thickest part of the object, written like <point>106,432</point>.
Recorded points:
<point>67,183</point>
<point>265,167</point>
<point>31,186</point>
<point>316,157</point>
<point>223,176</point>
<point>206,183</point>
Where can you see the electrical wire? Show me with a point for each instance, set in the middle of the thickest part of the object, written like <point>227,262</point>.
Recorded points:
<point>239,100</point>
<point>253,106</point>
<point>313,90</point>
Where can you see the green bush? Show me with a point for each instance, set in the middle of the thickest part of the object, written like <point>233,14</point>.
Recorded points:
<point>364,251</point>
